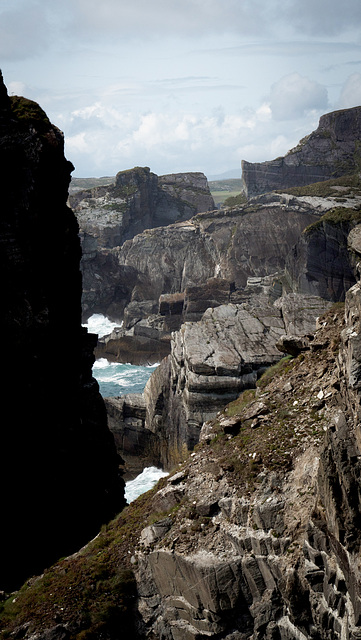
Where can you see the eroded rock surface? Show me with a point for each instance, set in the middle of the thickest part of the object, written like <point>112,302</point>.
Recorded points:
<point>330,151</point>
<point>213,360</point>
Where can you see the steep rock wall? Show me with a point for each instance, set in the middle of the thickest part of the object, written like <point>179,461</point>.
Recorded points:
<point>212,361</point>
<point>59,467</point>
<point>110,215</point>
<point>234,245</point>
<point>332,150</point>
<point>321,263</point>
<point>275,554</point>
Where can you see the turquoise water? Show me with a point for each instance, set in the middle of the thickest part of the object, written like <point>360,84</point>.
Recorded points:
<point>119,379</point>
<point>116,379</point>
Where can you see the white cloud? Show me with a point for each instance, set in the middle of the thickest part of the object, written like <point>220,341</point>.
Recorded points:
<point>294,95</point>
<point>17,88</point>
<point>108,140</point>
<point>351,92</point>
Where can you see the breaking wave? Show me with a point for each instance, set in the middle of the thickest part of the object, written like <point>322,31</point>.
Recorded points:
<point>142,483</point>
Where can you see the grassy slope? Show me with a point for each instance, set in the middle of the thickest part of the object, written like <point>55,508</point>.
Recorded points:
<point>94,591</point>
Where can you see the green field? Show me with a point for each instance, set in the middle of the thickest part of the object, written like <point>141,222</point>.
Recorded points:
<point>220,189</point>
<point>78,184</point>
<point>223,189</point>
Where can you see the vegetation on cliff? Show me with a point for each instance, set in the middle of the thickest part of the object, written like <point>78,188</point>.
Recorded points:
<point>29,112</point>
<point>93,593</point>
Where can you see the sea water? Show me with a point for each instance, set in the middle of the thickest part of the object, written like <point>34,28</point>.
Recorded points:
<point>142,483</point>
<point>117,379</point>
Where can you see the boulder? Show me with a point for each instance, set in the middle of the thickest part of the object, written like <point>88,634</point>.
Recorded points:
<point>293,345</point>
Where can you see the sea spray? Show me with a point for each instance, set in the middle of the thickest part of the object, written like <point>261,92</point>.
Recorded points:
<point>114,378</point>
<point>142,483</point>
<point>97,323</point>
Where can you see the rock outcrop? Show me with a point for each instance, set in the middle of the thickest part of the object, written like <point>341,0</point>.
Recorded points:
<point>110,215</point>
<point>229,246</point>
<point>256,536</point>
<point>137,445</point>
<point>264,555</point>
<point>320,262</point>
<point>59,467</point>
<point>331,151</point>
<point>213,360</point>
<point>139,200</point>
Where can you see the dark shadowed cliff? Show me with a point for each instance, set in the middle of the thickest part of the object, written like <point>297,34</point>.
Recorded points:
<point>59,467</point>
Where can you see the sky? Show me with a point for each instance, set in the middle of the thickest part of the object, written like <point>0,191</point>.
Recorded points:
<point>181,85</point>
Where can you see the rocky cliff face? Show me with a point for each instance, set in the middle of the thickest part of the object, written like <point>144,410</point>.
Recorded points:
<point>110,215</point>
<point>212,361</point>
<point>278,243</point>
<point>332,150</point>
<point>320,262</point>
<point>233,245</point>
<point>255,536</point>
<point>59,468</point>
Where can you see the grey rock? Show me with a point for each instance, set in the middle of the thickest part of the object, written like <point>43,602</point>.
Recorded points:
<point>135,444</point>
<point>329,151</point>
<point>320,263</point>
<point>293,345</point>
<point>155,532</point>
<point>168,497</point>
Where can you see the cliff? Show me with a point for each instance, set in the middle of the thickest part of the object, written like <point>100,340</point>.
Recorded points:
<point>139,200</point>
<point>233,245</point>
<point>255,536</point>
<point>59,467</point>
<point>277,244</point>
<point>331,151</point>
<point>256,533</point>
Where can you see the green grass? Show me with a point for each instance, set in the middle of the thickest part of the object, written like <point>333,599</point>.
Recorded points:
<point>79,184</point>
<point>93,591</point>
<point>29,112</point>
<point>335,217</point>
<point>223,189</point>
<point>220,196</point>
<point>351,186</point>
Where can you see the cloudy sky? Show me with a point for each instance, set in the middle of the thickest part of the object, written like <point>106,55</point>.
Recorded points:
<point>181,85</point>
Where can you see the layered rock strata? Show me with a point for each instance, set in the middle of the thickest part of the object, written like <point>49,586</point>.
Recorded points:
<point>331,151</point>
<point>109,215</point>
<point>320,263</point>
<point>210,259</point>
<point>139,200</point>
<point>59,467</point>
<point>273,554</point>
<point>137,445</point>
<point>256,535</point>
<point>211,362</point>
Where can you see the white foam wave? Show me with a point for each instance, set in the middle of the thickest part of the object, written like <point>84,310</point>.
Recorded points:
<point>101,363</point>
<point>97,323</point>
<point>142,483</point>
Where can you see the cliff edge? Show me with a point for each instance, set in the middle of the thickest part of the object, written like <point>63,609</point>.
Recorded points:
<point>331,151</point>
